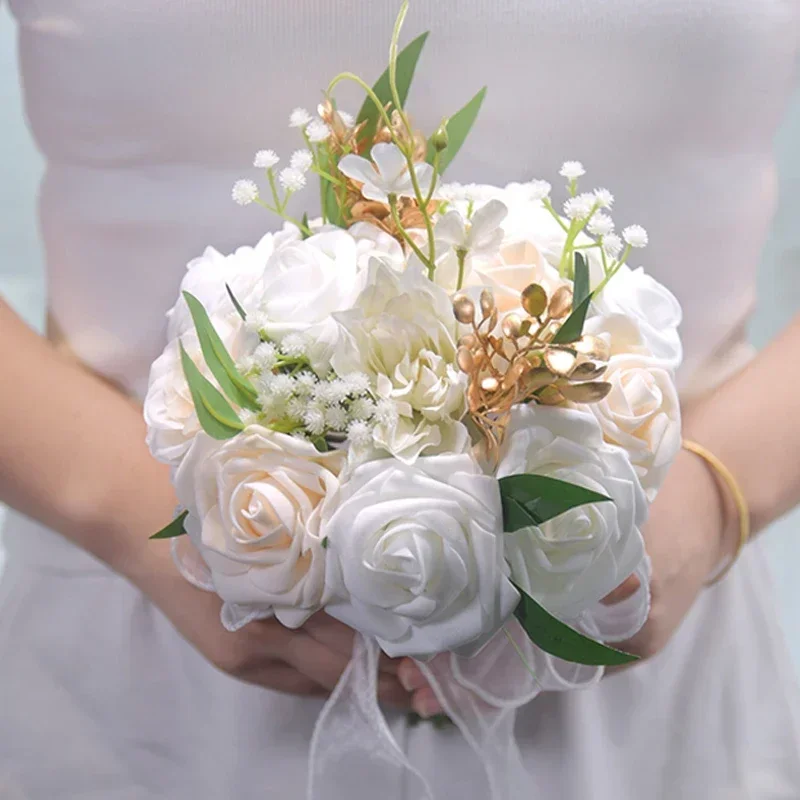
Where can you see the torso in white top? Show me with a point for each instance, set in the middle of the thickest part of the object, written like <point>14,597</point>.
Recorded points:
<point>148,110</point>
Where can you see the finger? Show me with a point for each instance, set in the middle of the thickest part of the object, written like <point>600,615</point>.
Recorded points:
<point>283,678</point>
<point>314,659</point>
<point>391,693</point>
<point>424,702</point>
<point>626,589</point>
<point>330,632</point>
<point>339,637</point>
<point>410,675</point>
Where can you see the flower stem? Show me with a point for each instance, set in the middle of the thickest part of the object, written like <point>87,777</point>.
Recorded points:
<point>407,239</point>
<point>281,213</point>
<point>461,255</point>
<point>434,179</point>
<point>327,176</point>
<point>349,76</point>
<point>548,204</point>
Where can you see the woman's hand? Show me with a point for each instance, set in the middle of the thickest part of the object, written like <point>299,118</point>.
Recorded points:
<point>686,537</point>
<point>307,661</point>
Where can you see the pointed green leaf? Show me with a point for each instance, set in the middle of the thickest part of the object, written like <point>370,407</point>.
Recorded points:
<point>558,639</point>
<point>406,64</point>
<point>236,304</point>
<point>304,230</point>
<point>581,286</point>
<point>515,515</point>
<point>572,329</point>
<point>174,529</point>
<point>216,416</point>
<point>534,499</point>
<point>236,387</point>
<point>458,128</point>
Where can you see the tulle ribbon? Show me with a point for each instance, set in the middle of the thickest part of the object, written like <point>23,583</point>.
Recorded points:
<point>353,745</point>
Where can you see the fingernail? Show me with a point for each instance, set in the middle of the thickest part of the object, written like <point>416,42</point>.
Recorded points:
<point>410,677</point>
<point>426,705</point>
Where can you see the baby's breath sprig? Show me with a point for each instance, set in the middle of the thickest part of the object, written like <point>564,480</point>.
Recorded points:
<point>587,212</point>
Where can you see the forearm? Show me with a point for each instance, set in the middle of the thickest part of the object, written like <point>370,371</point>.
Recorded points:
<point>72,453</point>
<point>752,424</point>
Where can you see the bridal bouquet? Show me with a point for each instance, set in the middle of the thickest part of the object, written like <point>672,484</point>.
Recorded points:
<point>437,412</point>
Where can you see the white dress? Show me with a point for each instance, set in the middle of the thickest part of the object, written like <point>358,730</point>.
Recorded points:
<point>147,110</point>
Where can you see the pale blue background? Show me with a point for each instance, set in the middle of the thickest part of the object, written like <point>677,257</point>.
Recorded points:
<point>22,284</point>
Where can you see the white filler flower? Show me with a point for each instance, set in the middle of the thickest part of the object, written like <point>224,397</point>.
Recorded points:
<point>387,173</point>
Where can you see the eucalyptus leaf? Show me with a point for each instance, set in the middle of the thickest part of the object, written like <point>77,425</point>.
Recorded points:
<point>458,128</point>
<point>174,529</point>
<point>216,416</point>
<point>406,64</point>
<point>236,304</point>
<point>581,285</point>
<point>572,329</point>
<point>555,637</point>
<point>534,499</point>
<point>236,387</point>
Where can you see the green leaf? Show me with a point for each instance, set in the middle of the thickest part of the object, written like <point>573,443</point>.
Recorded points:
<point>175,528</point>
<point>321,443</point>
<point>581,286</point>
<point>406,64</point>
<point>330,202</point>
<point>216,416</point>
<point>304,230</point>
<point>236,304</point>
<point>558,639</point>
<point>534,499</point>
<point>236,387</point>
<point>458,128</point>
<point>572,329</point>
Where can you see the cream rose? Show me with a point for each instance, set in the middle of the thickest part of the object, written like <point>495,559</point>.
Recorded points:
<point>636,295</point>
<point>415,555</point>
<point>516,265</point>
<point>255,504</point>
<point>168,408</point>
<point>642,415</point>
<point>574,560</point>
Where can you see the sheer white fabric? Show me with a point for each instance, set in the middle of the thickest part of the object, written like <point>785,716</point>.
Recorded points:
<point>147,112</point>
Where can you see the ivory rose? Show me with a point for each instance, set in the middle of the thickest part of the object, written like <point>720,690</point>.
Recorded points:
<point>255,504</point>
<point>415,555</point>
<point>575,559</point>
<point>168,409</point>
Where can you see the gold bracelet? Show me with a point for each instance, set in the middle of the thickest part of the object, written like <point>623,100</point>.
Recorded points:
<point>738,498</point>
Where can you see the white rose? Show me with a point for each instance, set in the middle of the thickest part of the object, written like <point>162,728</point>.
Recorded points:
<point>308,280</point>
<point>633,293</point>
<point>415,555</point>
<point>255,505</point>
<point>305,282</point>
<point>574,560</point>
<point>169,412</point>
<point>402,334</point>
<point>207,275</point>
<point>642,415</point>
